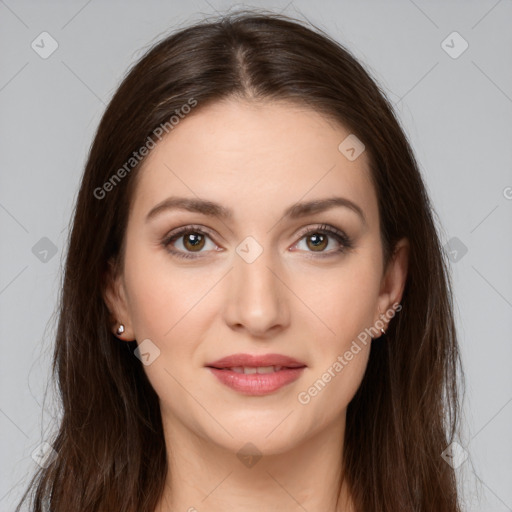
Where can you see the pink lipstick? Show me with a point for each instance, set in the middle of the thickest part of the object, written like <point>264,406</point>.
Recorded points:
<point>256,374</point>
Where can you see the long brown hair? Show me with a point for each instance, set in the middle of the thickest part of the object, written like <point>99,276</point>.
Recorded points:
<point>110,444</point>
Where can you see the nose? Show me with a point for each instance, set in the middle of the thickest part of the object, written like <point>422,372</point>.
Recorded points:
<point>256,300</point>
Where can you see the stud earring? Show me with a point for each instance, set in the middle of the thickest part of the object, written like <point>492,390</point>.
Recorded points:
<point>120,329</point>
<point>382,331</point>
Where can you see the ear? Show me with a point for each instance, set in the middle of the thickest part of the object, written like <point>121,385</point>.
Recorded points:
<point>393,280</point>
<point>114,295</point>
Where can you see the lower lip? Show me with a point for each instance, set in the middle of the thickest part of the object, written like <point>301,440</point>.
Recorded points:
<point>257,383</point>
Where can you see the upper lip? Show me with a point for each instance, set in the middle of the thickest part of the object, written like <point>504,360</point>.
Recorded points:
<point>255,361</point>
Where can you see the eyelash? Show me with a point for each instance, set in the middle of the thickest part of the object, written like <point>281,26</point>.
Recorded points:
<point>324,229</point>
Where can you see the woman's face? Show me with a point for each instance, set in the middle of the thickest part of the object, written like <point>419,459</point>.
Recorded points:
<point>259,271</point>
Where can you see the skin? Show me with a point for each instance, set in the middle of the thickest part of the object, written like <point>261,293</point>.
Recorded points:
<point>257,158</point>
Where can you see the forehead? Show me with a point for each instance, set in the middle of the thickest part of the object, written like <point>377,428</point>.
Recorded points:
<point>250,156</point>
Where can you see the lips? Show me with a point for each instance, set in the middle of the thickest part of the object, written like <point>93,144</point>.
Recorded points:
<point>256,375</point>
<point>256,361</point>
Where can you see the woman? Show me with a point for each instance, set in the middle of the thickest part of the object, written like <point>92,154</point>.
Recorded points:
<point>256,312</point>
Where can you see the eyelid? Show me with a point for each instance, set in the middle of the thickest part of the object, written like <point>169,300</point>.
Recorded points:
<point>321,228</point>
<point>176,232</point>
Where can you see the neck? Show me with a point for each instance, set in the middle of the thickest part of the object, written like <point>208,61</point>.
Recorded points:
<point>205,476</point>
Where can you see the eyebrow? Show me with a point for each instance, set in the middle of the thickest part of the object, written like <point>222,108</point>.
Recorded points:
<point>213,209</point>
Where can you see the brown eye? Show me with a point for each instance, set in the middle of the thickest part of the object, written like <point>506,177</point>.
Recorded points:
<point>189,242</point>
<point>317,241</point>
<point>193,241</point>
<point>324,240</point>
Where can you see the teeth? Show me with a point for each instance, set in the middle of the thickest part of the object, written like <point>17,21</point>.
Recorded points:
<point>260,369</point>
<point>266,369</point>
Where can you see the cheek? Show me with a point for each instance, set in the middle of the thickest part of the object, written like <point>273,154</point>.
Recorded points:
<point>341,346</point>
<point>171,308</point>
<point>162,297</point>
<point>343,301</point>
<point>174,308</point>
<point>333,387</point>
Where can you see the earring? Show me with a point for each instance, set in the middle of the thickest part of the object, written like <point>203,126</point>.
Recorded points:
<point>120,329</point>
<point>382,331</point>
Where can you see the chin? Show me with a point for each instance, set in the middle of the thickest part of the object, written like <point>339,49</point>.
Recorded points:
<point>268,434</point>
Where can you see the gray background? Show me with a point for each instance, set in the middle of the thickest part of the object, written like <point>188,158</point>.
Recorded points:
<point>456,111</point>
